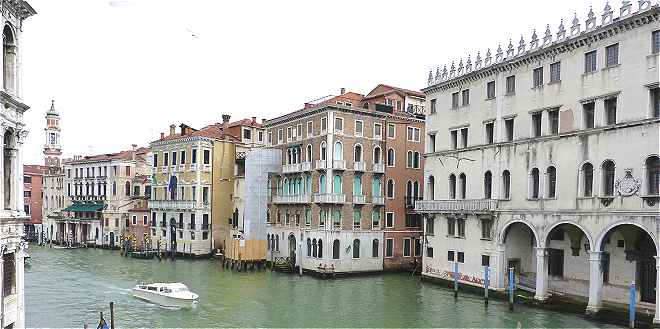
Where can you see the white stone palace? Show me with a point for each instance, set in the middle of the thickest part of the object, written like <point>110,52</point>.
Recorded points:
<point>544,158</point>
<point>12,215</point>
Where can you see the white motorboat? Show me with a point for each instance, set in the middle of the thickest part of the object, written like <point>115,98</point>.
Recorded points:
<point>166,294</point>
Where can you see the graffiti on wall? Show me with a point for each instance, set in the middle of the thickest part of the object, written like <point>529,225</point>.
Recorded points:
<point>449,275</point>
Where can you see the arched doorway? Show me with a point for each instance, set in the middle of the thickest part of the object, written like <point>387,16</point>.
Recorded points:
<point>292,247</point>
<point>628,246</point>
<point>520,241</point>
<point>564,261</point>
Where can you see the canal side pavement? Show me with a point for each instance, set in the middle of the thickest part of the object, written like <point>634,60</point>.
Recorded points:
<point>613,313</point>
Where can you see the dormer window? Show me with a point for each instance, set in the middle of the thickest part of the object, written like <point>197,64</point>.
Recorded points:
<point>247,134</point>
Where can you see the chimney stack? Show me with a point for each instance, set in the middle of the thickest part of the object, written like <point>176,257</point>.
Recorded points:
<point>343,91</point>
<point>225,121</point>
<point>172,129</point>
<point>134,146</point>
<point>162,135</point>
<point>254,120</point>
<point>263,121</point>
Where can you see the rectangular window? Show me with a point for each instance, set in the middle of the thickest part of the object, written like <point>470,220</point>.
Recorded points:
<point>166,161</point>
<point>486,228</point>
<point>461,227</point>
<point>155,162</point>
<point>205,194</point>
<point>289,133</point>
<point>406,247</point>
<point>261,136</point>
<point>655,102</point>
<point>174,158</point>
<point>324,124</point>
<point>430,226</point>
<point>454,100</point>
<point>588,115</point>
<point>270,138</point>
<point>359,127</point>
<point>511,85</point>
<point>461,257</point>
<point>280,136</point>
<point>310,129</point>
<point>429,252</point>
<point>134,222</point>
<point>555,72</point>
<point>413,134</point>
<point>454,139</point>
<point>389,220</point>
<point>450,256</point>
<point>465,97</point>
<point>207,157</point>
<point>391,130</point>
<point>433,105</point>
<point>299,130</point>
<point>590,62</point>
<point>378,131</point>
<point>536,124</point>
<point>485,260</point>
<point>610,111</point>
<point>538,77</point>
<point>464,137</point>
<point>490,90</point>
<point>183,157</point>
<point>389,247</point>
<point>553,121</point>
<point>489,132</point>
<point>247,134</point>
<point>508,126</point>
<point>612,55</point>
<point>451,226</point>
<point>655,42</point>
<point>339,124</point>
<point>431,143</point>
<point>193,157</point>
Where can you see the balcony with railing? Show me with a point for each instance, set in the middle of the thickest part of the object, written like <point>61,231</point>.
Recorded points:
<point>378,200</point>
<point>284,199</point>
<point>291,168</point>
<point>359,166</point>
<point>359,199</point>
<point>176,204</point>
<point>379,168</point>
<point>329,198</point>
<point>415,109</point>
<point>477,206</point>
<point>306,166</point>
<point>339,164</point>
<point>410,201</point>
<point>321,164</point>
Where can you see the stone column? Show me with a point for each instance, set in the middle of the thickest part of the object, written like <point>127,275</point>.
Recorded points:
<point>595,282</point>
<point>656,318</point>
<point>500,268</point>
<point>18,165</point>
<point>20,285</point>
<point>541,274</point>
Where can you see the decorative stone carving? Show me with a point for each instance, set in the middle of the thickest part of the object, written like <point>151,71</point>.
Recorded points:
<point>477,62</point>
<point>626,9</point>
<point>521,46</point>
<point>468,65</point>
<point>628,185</point>
<point>444,73</point>
<point>591,20</point>
<point>499,55</point>
<point>561,31</point>
<point>535,41</point>
<point>21,135</point>
<point>431,77</point>
<point>452,70</point>
<point>3,249</point>
<point>575,28</point>
<point>547,38</point>
<point>488,58</point>
<point>644,5</point>
<point>607,14</point>
<point>460,67</point>
<point>509,51</point>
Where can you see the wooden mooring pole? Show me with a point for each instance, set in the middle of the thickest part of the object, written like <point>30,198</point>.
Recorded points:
<point>632,305</point>
<point>455,280</point>
<point>511,288</point>
<point>486,284</point>
<point>112,315</point>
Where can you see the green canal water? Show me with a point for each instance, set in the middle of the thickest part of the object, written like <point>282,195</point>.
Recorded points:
<point>68,288</point>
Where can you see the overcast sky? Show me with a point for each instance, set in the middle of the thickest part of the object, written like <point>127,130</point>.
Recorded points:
<point>122,71</point>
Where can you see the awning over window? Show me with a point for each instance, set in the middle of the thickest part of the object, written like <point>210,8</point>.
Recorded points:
<point>84,207</point>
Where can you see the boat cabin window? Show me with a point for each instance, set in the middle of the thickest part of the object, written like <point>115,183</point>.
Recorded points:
<point>152,288</point>
<point>143,287</point>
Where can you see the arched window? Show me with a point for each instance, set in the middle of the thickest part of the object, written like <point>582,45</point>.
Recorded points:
<point>286,187</point>
<point>415,190</point>
<point>324,151</point>
<point>268,241</point>
<point>377,155</point>
<point>653,175</point>
<point>390,188</point>
<point>488,184</point>
<point>357,185</point>
<point>587,179</point>
<point>309,247</point>
<point>608,170</point>
<point>374,248</point>
<point>375,187</point>
<point>335,249</point>
<point>320,244</point>
<point>309,153</point>
<point>8,140</point>
<point>391,157</point>
<point>431,188</point>
<point>9,60</point>
<point>339,151</point>
<point>128,189</point>
<point>409,193</point>
<point>308,184</point>
<point>409,160</point>
<point>322,184</point>
<point>277,243</point>
<point>356,248</point>
<point>357,153</point>
<point>452,186</point>
<point>506,184</point>
<point>416,160</point>
<point>552,181</point>
<point>336,185</point>
<point>534,177</point>
<point>314,248</point>
<point>462,185</point>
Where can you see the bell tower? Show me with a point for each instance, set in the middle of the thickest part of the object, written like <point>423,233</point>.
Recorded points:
<point>52,148</point>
